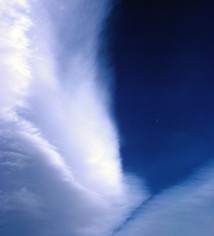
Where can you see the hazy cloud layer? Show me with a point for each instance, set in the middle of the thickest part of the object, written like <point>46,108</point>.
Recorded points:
<point>184,210</point>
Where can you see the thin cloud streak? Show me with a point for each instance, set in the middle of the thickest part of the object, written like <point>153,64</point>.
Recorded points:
<point>183,210</point>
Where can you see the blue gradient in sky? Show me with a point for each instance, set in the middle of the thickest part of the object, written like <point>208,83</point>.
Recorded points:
<point>162,52</point>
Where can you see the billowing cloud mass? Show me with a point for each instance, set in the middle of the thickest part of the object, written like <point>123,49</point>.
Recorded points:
<point>60,167</point>
<point>60,163</point>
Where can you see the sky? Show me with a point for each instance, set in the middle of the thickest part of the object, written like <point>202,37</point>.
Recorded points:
<point>106,118</point>
<point>162,54</point>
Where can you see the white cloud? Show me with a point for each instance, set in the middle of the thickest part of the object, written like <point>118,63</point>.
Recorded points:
<point>60,164</point>
<point>44,191</point>
<point>186,210</point>
<point>71,106</point>
<point>14,53</point>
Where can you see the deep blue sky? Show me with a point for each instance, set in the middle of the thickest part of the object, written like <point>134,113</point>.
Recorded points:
<point>162,53</point>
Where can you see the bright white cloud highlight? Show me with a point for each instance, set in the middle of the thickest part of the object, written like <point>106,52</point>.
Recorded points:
<point>14,52</point>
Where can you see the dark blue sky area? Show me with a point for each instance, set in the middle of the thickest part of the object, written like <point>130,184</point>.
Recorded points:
<point>163,55</point>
